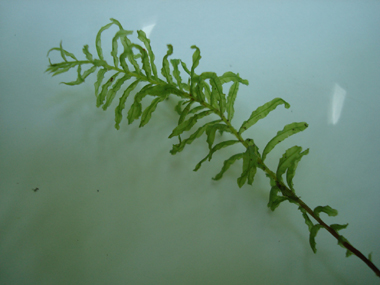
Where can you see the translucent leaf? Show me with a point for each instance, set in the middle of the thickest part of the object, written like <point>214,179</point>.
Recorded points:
<point>249,165</point>
<point>313,232</point>
<point>102,63</point>
<point>212,130</point>
<point>214,149</point>
<point>292,169</point>
<point>188,124</point>
<point>287,160</point>
<point>338,227</point>
<point>81,78</point>
<point>196,109</point>
<point>232,93</point>
<point>178,107</point>
<point>87,53</point>
<point>217,87</point>
<point>227,163</point>
<point>230,76</point>
<point>117,23</point>
<point>341,241</point>
<point>98,41</point>
<point>165,70</point>
<point>134,112</point>
<point>176,72</point>
<point>205,91</point>
<point>274,199</point>
<point>112,92</point>
<point>185,111</point>
<point>122,100</point>
<point>261,112</point>
<point>145,61</point>
<point>196,59</point>
<point>308,222</point>
<point>142,37</point>
<point>128,53</point>
<point>99,80</point>
<point>147,114</point>
<point>179,147</point>
<point>65,53</point>
<point>197,90</point>
<point>288,130</point>
<point>101,97</point>
<point>121,33</point>
<point>325,209</point>
<point>184,66</point>
<point>60,67</point>
<point>123,61</point>
<point>162,91</point>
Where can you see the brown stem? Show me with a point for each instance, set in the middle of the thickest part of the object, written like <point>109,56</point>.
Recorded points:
<point>287,192</point>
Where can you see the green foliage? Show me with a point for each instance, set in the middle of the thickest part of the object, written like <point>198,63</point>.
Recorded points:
<point>201,96</point>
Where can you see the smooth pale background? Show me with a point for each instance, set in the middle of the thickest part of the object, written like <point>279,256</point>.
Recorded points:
<point>154,220</point>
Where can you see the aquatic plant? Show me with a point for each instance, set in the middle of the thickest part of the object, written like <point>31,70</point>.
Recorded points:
<point>200,96</point>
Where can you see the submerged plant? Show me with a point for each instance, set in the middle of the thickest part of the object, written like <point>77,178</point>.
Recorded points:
<point>200,96</point>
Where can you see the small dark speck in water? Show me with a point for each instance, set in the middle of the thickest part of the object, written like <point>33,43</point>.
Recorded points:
<point>97,190</point>
<point>36,189</point>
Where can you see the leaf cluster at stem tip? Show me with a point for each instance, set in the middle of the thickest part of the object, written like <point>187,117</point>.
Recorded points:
<point>199,96</point>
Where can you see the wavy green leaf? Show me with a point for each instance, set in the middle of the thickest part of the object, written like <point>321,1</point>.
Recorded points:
<point>98,41</point>
<point>288,163</point>
<point>79,77</point>
<point>288,130</point>
<point>214,149</point>
<point>114,54</point>
<point>325,209</point>
<point>147,114</point>
<point>87,53</point>
<point>188,124</point>
<point>274,199</point>
<point>261,112</point>
<point>232,93</point>
<point>287,160</point>
<point>165,70</point>
<point>292,169</point>
<point>230,76</point>
<point>313,232</point>
<point>184,66</point>
<point>102,95</point>
<point>338,227</point>
<point>185,111</point>
<point>341,241</point>
<point>142,37</point>
<point>145,61</point>
<point>177,75</point>
<point>179,147</point>
<point>122,100</point>
<point>198,87</point>
<point>227,163</point>
<point>217,89</point>
<point>115,88</point>
<point>99,80</point>
<point>250,160</point>
<point>308,222</point>
<point>136,108</point>
<point>211,130</point>
<point>196,59</point>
